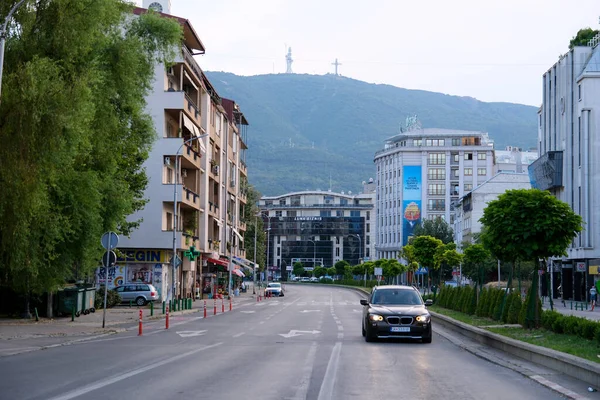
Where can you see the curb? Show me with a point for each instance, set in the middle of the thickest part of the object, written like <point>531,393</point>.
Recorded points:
<point>575,367</point>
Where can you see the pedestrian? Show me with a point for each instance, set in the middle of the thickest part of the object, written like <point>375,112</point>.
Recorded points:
<point>593,296</point>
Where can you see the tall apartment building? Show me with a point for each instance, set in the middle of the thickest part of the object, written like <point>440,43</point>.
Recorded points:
<point>420,173</point>
<point>568,138</point>
<point>316,228</point>
<point>197,180</point>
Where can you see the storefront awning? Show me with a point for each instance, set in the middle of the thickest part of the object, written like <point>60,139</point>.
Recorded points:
<point>243,262</point>
<point>220,262</point>
<point>238,273</point>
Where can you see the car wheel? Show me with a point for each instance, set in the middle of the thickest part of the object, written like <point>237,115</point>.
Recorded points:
<point>140,301</point>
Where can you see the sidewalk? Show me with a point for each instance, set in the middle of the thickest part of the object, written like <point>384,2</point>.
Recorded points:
<point>566,309</point>
<point>17,335</point>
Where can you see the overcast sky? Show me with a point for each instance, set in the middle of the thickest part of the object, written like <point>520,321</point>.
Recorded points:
<point>490,50</point>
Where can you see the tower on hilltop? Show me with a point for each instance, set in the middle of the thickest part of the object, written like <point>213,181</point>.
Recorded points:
<point>289,61</point>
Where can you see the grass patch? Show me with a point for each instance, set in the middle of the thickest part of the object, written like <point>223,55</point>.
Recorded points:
<point>466,318</point>
<point>570,344</point>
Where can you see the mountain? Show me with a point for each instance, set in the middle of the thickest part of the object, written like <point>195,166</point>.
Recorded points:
<point>322,131</point>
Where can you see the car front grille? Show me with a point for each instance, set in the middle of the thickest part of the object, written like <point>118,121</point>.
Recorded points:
<point>399,320</point>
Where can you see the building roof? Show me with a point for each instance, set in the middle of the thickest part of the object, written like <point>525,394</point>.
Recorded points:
<point>437,132</point>
<point>308,192</point>
<point>192,39</point>
<point>593,64</point>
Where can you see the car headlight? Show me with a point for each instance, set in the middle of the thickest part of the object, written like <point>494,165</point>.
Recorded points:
<point>375,317</point>
<point>423,318</point>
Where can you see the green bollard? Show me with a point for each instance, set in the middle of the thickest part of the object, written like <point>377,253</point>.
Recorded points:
<point>164,305</point>
<point>151,308</point>
<point>190,304</point>
<point>171,305</point>
<point>72,313</point>
<point>571,305</point>
<point>130,302</point>
<point>37,317</point>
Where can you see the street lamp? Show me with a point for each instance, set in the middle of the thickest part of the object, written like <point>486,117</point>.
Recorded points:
<point>314,256</point>
<point>254,259</point>
<point>360,254</point>
<point>174,259</point>
<point>3,39</point>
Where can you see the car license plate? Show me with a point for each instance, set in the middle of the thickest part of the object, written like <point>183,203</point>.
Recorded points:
<point>400,328</point>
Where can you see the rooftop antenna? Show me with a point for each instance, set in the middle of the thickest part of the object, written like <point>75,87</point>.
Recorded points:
<point>336,64</point>
<point>289,61</point>
<point>330,181</point>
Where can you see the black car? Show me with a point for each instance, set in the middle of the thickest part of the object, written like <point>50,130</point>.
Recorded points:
<point>396,312</point>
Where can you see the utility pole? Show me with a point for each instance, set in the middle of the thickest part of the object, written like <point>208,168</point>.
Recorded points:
<point>3,39</point>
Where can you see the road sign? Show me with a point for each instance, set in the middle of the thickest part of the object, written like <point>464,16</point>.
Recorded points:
<point>109,240</point>
<point>378,271</point>
<point>177,261</point>
<point>289,268</point>
<point>109,259</point>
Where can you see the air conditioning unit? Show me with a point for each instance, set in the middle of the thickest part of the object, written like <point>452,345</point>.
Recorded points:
<point>167,160</point>
<point>184,173</point>
<point>216,169</point>
<point>232,184</point>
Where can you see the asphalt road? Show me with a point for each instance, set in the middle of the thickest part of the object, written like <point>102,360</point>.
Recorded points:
<point>306,345</point>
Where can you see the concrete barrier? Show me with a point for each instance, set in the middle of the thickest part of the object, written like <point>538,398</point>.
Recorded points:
<point>576,367</point>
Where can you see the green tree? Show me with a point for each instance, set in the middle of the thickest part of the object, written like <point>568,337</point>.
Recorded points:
<point>425,248</point>
<point>583,37</point>
<point>474,257</point>
<point>437,228</point>
<point>529,224</point>
<point>255,225</point>
<point>340,267</point>
<point>331,271</point>
<point>319,271</point>
<point>298,269</point>
<point>74,133</point>
<point>408,254</point>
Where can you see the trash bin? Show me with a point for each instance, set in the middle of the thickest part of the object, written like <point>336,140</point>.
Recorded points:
<point>70,299</point>
<point>89,300</point>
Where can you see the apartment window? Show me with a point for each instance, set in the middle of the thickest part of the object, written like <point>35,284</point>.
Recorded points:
<point>579,91</point>
<point>282,202</point>
<point>468,187</point>
<point>278,251</point>
<point>269,203</point>
<point>368,239</point>
<point>337,251</point>
<point>481,156</point>
<point>455,173</point>
<point>417,142</point>
<point>168,175</point>
<point>343,202</point>
<point>368,228</point>
<point>437,158</point>
<point>437,189</point>
<point>468,171</point>
<point>325,213</point>
<point>169,130</point>
<point>436,174</point>
<point>455,141</point>
<point>468,156</point>
<point>368,215</point>
<point>436,205</point>
<point>291,214</point>
<point>481,171</point>
<point>456,157</point>
<point>339,213</point>
<point>169,222</point>
<point>355,213</point>
<point>295,200</point>
<point>328,199</point>
<point>278,214</point>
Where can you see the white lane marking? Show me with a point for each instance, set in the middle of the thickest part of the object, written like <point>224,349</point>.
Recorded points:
<point>109,381</point>
<point>308,311</point>
<point>340,328</point>
<point>247,312</point>
<point>262,322</point>
<point>326,392</point>
<point>190,333</point>
<point>340,335</point>
<point>307,369</point>
<point>294,332</point>
<point>239,334</point>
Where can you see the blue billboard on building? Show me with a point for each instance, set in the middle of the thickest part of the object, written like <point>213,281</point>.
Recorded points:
<point>411,200</point>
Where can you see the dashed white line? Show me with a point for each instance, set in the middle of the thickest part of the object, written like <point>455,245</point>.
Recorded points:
<point>239,334</point>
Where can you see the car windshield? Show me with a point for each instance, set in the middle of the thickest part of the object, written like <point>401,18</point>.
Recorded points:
<point>396,297</point>
<point>274,285</point>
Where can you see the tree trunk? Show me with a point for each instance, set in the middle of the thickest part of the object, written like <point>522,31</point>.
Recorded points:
<point>49,306</point>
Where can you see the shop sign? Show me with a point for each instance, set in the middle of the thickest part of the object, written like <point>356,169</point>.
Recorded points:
<point>580,266</point>
<point>143,256</point>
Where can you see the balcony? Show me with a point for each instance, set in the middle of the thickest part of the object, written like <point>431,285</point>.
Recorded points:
<point>190,157</point>
<point>213,209</point>
<point>191,63</point>
<point>192,110</point>
<point>190,198</point>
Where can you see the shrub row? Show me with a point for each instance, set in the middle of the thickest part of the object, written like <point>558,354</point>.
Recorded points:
<point>112,298</point>
<point>489,305</point>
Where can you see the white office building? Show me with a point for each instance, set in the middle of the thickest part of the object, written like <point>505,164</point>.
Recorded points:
<point>420,173</point>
